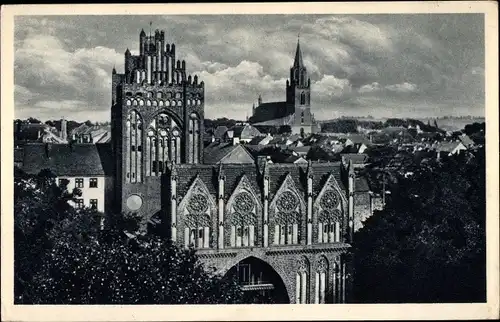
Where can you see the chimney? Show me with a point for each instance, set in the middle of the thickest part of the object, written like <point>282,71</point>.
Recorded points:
<point>64,131</point>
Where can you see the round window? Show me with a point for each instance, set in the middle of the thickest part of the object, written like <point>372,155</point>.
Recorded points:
<point>134,202</point>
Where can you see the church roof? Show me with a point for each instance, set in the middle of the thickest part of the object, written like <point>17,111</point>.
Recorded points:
<point>268,111</point>
<point>298,62</point>
<point>68,159</point>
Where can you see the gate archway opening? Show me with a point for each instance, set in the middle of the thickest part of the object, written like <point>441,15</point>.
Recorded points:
<point>260,283</point>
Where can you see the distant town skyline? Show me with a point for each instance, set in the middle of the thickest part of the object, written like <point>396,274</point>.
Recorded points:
<point>421,65</point>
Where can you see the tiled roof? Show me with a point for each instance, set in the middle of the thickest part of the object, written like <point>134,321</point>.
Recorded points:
<point>68,159</point>
<point>233,174</point>
<point>466,140</point>
<point>245,131</point>
<point>215,151</point>
<point>321,172</point>
<point>268,111</point>
<point>279,171</point>
<point>358,158</point>
<point>188,172</point>
<point>447,146</point>
<point>361,185</point>
<point>256,140</point>
<point>220,131</point>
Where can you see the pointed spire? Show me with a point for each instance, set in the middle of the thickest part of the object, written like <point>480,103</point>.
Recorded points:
<point>114,69</point>
<point>142,32</point>
<point>298,55</point>
<point>127,52</point>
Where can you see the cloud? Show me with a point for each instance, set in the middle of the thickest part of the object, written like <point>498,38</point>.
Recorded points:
<point>356,63</point>
<point>368,88</point>
<point>402,88</point>
<point>331,87</point>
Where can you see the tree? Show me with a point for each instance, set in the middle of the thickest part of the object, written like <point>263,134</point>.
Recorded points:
<point>62,256</point>
<point>428,243</point>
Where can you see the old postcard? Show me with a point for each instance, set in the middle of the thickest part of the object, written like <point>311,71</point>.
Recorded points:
<point>250,161</point>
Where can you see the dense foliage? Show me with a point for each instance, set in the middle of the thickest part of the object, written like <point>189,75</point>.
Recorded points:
<point>428,244</point>
<point>62,256</point>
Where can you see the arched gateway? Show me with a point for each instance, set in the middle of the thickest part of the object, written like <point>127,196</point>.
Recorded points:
<point>283,276</point>
<point>260,282</point>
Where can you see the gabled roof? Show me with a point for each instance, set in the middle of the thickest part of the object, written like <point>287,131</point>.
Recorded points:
<point>216,153</point>
<point>466,140</point>
<point>356,158</point>
<point>69,159</point>
<point>245,131</point>
<point>358,139</point>
<point>256,140</point>
<point>220,131</point>
<point>447,146</point>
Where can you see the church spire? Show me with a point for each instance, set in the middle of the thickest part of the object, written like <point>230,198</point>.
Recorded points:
<point>298,55</point>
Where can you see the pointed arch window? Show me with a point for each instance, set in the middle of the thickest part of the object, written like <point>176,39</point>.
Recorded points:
<point>160,103</point>
<point>167,103</point>
<point>321,281</point>
<point>197,224</point>
<point>243,221</point>
<point>194,138</point>
<point>159,95</point>
<point>133,137</point>
<point>148,102</point>
<point>134,102</point>
<point>302,281</point>
<point>162,144</point>
<point>338,281</point>
<point>302,98</point>
<point>302,77</point>
<point>129,103</point>
<point>287,219</point>
<point>330,218</point>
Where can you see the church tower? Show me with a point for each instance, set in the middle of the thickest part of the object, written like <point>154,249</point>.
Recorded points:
<point>298,92</point>
<point>157,118</point>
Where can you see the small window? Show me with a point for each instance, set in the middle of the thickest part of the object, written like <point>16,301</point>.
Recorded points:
<point>179,103</point>
<point>93,183</point>
<point>93,203</point>
<point>79,203</point>
<point>177,95</point>
<point>79,182</point>
<point>141,102</point>
<point>161,166</point>
<point>198,102</point>
<point>129,102</point>
<point>160,103</point>
<point>167,103</point>
<point>159,95</point>
<point>155,103</point>
<point>132,148</point>
<point>139,148</point>
<point>61,182</point>
<point>155,166</point>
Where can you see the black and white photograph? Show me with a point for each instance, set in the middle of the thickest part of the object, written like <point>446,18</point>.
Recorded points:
<point>224,160</point>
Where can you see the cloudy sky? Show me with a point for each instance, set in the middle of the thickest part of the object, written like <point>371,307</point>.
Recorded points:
<point>381,65</point>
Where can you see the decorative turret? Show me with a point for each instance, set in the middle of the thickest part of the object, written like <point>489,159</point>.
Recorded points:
<point>260,100</point>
